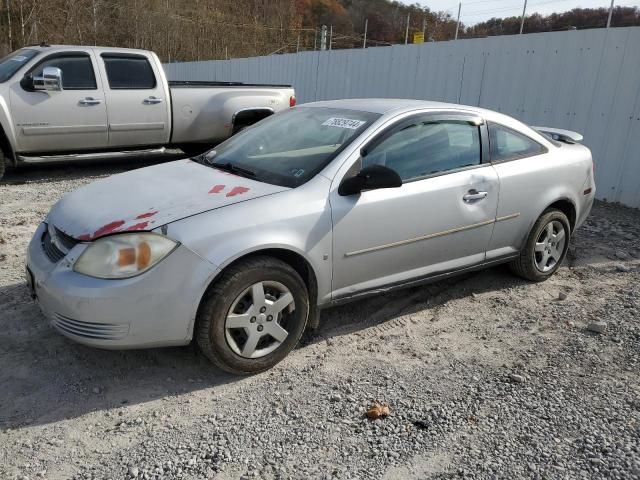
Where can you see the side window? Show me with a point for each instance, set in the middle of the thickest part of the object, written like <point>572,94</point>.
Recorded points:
<point>507,144</point>
<point>129,72</point>
<point>427,147</point>
<point>77,71</point>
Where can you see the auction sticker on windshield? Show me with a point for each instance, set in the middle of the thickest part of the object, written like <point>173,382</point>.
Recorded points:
<point>344,123</point>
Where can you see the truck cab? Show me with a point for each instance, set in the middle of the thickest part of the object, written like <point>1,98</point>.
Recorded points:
<point>70,102</point>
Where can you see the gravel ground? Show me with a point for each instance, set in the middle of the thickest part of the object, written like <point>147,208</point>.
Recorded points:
<point>486,376</point>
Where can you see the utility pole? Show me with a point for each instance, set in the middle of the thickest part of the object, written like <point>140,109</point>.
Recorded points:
<point>323,38</point>
<point>95,24</point>
<point>524,12</point>
<point>610,14</point>
<point>424,26</point>
<point>331,38</point>
<point>458,22</point>
<point>315,40</point>
<point>166,13</point>
<point>298,44</point>
<point>406,33</point>
<point>366,26</point>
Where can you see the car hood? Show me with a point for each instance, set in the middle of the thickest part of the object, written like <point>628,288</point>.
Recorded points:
<point>150,197</point>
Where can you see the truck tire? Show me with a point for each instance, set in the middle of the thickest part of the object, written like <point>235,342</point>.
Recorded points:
<point>3,164</point>
<point>253,315</point>
<point>546,247</point>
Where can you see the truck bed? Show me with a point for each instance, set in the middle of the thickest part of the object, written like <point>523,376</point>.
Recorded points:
<point>204,84</point>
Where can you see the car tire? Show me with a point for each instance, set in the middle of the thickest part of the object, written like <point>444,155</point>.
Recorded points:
<point>232,315</point>
<point>543,243</point>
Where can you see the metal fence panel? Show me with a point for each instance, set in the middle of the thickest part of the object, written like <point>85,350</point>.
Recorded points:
<point>587,80</point>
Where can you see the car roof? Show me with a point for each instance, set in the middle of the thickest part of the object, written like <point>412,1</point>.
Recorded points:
<point>387,105</point>
<point>390,107</point>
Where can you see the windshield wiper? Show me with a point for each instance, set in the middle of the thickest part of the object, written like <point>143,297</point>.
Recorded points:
<point>230,167</point>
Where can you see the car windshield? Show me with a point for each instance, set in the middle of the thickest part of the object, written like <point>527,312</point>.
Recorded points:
<point>12,62</point>
<point>289,148</point>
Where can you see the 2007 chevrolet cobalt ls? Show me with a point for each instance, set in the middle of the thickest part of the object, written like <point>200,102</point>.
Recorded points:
<point>324,203</point>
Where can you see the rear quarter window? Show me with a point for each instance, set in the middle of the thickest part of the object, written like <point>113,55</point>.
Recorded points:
<point>129,72</point>
<point>507,144</point>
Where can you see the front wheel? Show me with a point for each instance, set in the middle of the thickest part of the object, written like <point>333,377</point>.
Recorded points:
<point>546,247</point>
<point>253,316</point>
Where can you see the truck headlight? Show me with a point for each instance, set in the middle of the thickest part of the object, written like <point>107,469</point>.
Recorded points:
<point>123,256</point>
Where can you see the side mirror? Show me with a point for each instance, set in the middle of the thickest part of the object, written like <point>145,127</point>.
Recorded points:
<point>209,157</point>
<point>50,80</point>
<point>370,178</point>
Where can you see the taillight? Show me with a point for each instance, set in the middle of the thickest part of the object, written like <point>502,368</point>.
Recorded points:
<point>292,101</point>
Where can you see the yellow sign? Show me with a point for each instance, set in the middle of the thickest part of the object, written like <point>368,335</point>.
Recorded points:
<point>418,37</point>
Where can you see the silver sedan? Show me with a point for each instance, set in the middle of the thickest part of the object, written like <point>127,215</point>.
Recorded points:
<point>325,203</point>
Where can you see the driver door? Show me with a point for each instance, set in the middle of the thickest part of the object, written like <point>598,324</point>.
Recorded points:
<point>72,118</point>
<point>441,218</point>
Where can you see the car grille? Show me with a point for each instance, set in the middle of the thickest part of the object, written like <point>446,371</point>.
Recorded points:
<point>98,331</point>
<point>56,251</point>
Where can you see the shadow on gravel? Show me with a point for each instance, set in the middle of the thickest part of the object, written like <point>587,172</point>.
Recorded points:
<point>45,377</point>
<point>376,310</point>
<point>46,172</point>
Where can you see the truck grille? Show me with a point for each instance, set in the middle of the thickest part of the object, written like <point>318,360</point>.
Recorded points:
<point>99,331</point>
<point>56,244</point>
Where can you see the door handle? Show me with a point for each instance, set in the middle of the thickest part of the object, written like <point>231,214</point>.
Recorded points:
<point>474,195</point>
<point>152,100</point>
<point>90,101</point>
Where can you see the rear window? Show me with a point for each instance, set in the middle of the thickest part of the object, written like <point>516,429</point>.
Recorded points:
<point>129,72</point>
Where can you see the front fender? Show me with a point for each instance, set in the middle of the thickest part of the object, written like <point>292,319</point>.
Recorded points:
<point>297,220</point>
<point>7,130</point>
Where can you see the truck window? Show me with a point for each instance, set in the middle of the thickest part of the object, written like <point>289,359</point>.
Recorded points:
<point>77,71</point>
<point>129,72</point>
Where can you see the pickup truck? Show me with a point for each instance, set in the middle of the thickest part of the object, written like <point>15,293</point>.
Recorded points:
<point>61,103</point>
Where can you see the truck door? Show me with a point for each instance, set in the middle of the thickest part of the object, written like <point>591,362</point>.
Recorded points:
<point>71,117</point>
<point>137,101</point>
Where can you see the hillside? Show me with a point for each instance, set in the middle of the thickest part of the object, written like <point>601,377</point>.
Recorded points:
<point>186,30</point>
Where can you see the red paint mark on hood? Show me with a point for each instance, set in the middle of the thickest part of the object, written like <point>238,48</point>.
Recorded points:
<point>146,215</point>
<point>137,226</point>
<point>108,228</point>
<point>237,191</point>
<point>217,189</point>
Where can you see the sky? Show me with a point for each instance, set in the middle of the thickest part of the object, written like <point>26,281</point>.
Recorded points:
<point>474,11</point>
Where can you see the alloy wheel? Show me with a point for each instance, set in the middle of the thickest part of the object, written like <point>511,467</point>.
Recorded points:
<point>549,246</point>
<point>256,324</point>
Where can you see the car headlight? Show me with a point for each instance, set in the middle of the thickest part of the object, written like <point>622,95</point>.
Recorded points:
<point>123,256</point>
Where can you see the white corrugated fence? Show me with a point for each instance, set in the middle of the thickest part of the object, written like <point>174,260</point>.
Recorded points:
<point>587,81</point>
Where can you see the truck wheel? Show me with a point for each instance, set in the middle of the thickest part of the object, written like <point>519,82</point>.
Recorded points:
<point>253,316</point>
<point>546,247</point>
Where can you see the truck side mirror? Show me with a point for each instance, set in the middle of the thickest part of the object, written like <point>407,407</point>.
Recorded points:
<point>50,80</point>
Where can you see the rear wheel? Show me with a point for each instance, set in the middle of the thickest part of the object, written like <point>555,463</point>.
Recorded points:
<point>546,247</point>
<point>253,316</point>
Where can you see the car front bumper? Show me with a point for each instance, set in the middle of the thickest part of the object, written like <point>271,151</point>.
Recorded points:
<point>157,308</point>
